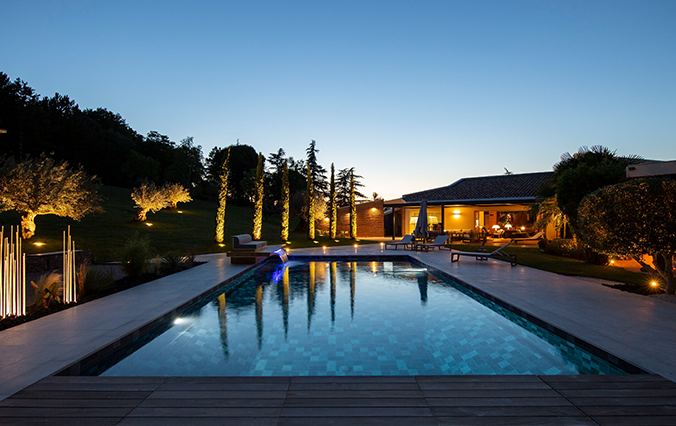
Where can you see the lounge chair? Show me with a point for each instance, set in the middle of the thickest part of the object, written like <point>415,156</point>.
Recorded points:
<point>496,254</point>
<point>533,238</point>
<point>438,242</point>
<point>406,242</point>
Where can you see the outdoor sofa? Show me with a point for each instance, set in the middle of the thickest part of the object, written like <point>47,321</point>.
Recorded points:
<point>245,251</point>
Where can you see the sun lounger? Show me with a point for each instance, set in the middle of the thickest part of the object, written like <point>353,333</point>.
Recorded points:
<point>495,254</point>
<point>438,242</point>
<point>533,238</point>
<point>406,242</point>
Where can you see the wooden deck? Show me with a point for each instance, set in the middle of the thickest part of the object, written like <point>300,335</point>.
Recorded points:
<point>353,401</point>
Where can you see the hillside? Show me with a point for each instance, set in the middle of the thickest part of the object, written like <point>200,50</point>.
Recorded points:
<point>192,230</point>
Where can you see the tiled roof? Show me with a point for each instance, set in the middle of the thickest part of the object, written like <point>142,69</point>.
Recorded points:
<point>484,188</point>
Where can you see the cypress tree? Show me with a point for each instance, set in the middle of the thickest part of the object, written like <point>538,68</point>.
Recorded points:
<point>310,203</point>
<point>353,208</point>
<point>222,198</point>
<point>285,202</point>
<point>258,204</point>
<point>332,205</point>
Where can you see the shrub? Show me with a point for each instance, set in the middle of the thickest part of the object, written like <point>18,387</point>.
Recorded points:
<point>47,289</point>
<point>174,262</point>
<point>92,281</point>
<point>564,247</point>
<point>135,255</point>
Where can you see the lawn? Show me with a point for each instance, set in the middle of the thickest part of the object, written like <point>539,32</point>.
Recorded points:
<point>531,256</point>
<point>190,231</point>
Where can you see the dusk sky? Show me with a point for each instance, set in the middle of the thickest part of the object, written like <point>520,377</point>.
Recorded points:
<point>415,94</point>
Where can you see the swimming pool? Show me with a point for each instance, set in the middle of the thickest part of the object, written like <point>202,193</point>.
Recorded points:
<point>352,318</point>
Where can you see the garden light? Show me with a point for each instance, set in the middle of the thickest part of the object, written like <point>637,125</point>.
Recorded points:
<point>180,211</point>
<point>149,224</point>
<point>221,245</point>
<point>654,283</point>
<point>39,244</point>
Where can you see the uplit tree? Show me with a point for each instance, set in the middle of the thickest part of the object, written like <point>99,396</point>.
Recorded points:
<point>258,203</point>
<point>39,186</point>
<point>584,172</point>
<point>148,198</point>
<point>353,207</point>
<point>222,199</point>
<point>333,215</point>
<point>285,202</point>
<point>310,201</point>
<point>634,219</point>
<point>175,193</point>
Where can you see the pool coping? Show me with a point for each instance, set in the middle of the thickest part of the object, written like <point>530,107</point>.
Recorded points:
<point>132,338</point>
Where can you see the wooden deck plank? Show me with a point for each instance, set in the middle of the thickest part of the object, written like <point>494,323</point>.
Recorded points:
<point>50,412</point>
<point>219,394</point>
<point>189,387</point>
<point>631,410</point>
<point>353,386</point>
<point>60,421</point>
<point>616,393</point>
<point>93,386</point>
<point>492,393</point>
<point>499,402</point>
<point>192,412</point>
<point>356,402</point>
<point>599,402</point>
<point>354,421</point>
<point>355,394</point>
<point>212,402</point>
<point>483,385</point>
<point>444,400</point>
<point>517,411</point>
<point>635,421</point>
<point>515,421</point>
<point>198,421</point>
<point>334,412</point>
<point>73,403</point>
<point>82,394</point>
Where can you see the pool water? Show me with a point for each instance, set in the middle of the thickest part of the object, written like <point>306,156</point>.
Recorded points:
<point>352,318</point>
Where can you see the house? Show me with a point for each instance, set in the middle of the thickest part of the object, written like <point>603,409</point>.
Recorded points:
<point>498,204</point>
<point>652,168</point>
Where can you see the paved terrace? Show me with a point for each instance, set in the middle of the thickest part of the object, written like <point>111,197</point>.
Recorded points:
<point>637,329</point>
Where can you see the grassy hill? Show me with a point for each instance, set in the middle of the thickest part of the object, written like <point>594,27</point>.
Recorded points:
<point>189,231</point>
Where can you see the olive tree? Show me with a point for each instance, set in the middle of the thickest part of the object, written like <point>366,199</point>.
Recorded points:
<point>148,198</point>
<point>634,219</point>
<point>175,193</point>
<point>39,186</point>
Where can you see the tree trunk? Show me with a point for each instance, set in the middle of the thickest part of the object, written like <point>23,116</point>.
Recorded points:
<point>669,274</point>
<point>141,215</point>
<point>28,225</point>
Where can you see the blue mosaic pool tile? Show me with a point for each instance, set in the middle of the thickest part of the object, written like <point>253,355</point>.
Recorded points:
<point>370,324</point>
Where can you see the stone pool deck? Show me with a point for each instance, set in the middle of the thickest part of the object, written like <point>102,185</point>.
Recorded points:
<point>637,329</point>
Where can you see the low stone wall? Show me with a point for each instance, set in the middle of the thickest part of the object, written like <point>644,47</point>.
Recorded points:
<point>43,262</point>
